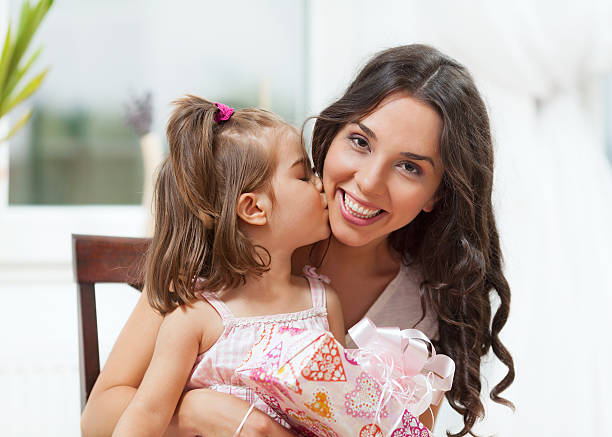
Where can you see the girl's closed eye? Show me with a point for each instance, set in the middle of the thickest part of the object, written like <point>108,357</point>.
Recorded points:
<point>305,173</point>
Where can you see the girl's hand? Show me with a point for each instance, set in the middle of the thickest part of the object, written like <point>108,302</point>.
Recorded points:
<point>209,413</point>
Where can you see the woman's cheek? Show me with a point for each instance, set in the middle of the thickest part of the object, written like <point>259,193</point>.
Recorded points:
<point>340,166</point>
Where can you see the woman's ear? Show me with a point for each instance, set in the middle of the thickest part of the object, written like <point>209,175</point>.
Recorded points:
<point>252,207</point>
<point>429,206</point>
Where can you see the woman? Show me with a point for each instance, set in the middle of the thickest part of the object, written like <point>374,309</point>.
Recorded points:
<point>407,164</point>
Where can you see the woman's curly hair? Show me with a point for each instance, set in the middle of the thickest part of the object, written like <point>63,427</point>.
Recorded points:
<point>456,246</point>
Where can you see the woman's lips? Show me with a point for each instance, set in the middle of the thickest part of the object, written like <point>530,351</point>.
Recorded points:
<point>362,216</point>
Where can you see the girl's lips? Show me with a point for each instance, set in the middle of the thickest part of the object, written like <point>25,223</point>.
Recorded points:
<point>350,217</point>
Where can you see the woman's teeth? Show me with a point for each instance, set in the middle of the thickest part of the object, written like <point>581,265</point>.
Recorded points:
<point>359,210</point>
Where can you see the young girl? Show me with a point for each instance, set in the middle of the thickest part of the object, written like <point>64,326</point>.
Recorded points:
<point>234,199</point>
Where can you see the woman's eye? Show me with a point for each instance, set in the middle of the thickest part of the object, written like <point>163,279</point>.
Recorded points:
<point>359,142</point>
<point>410,168</point>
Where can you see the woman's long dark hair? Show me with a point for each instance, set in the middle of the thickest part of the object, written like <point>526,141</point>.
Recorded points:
<point>456,246</point>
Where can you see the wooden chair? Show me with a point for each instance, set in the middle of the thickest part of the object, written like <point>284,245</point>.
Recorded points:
<point>99,259</point>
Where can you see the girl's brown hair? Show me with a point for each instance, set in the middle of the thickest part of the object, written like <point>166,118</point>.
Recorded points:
<point>456,246</point>
<point>198,186</point>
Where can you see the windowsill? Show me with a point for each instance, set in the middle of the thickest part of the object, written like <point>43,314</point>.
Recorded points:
<point>40,235</point>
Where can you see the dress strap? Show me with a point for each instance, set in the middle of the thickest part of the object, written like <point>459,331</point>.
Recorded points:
<point>218,305</point>
<point>317,289</point>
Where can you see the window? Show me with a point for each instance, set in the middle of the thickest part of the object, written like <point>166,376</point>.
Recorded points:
<point>78,148</point>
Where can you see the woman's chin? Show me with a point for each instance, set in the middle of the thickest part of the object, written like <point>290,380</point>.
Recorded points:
<point>350,237</point>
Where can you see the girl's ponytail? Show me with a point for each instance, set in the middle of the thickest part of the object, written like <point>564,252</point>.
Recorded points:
<point>191,132</point>
<point>213,160</point>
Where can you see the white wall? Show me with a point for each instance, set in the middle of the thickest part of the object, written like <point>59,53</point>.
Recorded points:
<point>39,349</point>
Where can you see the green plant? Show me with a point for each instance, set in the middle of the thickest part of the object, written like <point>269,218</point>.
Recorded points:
<point>12,70</point>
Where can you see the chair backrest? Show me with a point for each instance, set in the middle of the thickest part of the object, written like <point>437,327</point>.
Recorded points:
<point>97,259</point>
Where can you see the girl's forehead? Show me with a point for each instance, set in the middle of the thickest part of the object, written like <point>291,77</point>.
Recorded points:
<point>287,140</point>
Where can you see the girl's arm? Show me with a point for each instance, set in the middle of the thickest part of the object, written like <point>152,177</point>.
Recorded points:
<point>335,317</point>
<point>198,410</point>
<point>176,349</point>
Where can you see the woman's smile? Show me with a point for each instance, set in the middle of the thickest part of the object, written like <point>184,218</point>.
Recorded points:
<point>358,212</point>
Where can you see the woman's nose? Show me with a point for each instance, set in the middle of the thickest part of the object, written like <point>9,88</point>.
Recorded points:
<point>369,178</point>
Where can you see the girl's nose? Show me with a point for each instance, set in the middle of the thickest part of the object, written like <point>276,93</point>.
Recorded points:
<point>318,183</point>
<point>319,186</point>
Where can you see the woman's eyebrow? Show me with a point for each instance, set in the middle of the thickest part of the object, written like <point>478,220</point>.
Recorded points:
<point>369,132</point>
<point>418,157</point>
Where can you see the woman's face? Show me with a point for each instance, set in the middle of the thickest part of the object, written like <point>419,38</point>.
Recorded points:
<point>382,171</point>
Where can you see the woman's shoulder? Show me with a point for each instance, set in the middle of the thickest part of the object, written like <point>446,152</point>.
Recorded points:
<point>411,274</point>
<point>400,304</point>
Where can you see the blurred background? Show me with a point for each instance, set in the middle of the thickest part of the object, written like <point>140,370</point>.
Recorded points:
<point>544,69</point>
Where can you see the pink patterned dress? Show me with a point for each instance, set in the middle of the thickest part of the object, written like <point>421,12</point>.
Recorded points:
<point>215,368</point>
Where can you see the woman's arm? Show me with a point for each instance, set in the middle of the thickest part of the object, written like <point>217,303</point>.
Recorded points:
<point>122,372</point>
<point>428,418</point>
<point>210,413</point>
<point>176,349</point>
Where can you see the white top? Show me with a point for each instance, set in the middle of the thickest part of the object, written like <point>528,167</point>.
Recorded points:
<point>400,305</point>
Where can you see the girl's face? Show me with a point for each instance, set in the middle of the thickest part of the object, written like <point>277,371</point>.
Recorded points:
<point>383,170</point>
<point>299,215</point>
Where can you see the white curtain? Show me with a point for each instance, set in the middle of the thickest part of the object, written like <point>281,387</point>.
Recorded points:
<point>541,67</point>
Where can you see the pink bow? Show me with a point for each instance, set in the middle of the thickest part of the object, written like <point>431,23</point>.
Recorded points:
<point>312,272</point>
<point>224,114</point>
<point>404,363</point>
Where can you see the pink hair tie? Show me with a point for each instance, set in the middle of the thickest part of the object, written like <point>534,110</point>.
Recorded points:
<point>224,114</point>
